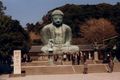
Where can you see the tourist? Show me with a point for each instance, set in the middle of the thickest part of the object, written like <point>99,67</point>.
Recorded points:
<point>78,59</point>
<point>56,57</point>
<point>110,65</point>
<point>73,59</point>
<point>68,56</point>
<point>85,71</point>
<point>64,56</point>
<point>84,57</point>
<point>24,58</point>
<point>28,58</point>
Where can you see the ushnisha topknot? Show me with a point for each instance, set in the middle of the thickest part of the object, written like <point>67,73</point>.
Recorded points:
<point>57,12</point>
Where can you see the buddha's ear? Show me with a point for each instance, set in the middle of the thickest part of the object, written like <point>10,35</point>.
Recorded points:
<point>51,18</point>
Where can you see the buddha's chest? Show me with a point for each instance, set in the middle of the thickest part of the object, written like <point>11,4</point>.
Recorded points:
<point>58,32</point>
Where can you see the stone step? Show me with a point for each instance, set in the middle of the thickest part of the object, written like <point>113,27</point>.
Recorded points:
<point>45,63</point>
<point>63,69</point>
<point>59,62</point>
<point>38,58</point>
<point>116,67</point>
<point>96,68</point>
<point>44,67</point>
<point>48,70</point>
<point>36,63</point>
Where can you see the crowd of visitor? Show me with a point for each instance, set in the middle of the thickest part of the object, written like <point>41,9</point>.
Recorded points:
<point>75,58</point>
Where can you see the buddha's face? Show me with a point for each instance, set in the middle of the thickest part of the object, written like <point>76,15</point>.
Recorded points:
<point>57,20</point>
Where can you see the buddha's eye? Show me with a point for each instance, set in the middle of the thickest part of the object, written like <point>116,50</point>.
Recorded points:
<point>54,18</point>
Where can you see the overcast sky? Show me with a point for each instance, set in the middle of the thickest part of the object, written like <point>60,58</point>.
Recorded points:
<point>31,11</point>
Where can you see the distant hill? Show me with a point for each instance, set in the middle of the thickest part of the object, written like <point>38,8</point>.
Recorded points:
<point>76,15</point>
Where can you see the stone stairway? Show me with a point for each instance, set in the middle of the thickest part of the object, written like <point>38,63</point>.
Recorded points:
<point>48,70</point>
<point>43,68</point>
<point>97,68</point>
<point>63,69</point>
<point>36,63</point>
<point>116,67</point>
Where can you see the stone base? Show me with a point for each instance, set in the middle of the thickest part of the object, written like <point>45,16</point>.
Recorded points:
<point>18,75</point>
<point>60,50</point>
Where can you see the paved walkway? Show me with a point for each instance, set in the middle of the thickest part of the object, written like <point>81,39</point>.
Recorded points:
<point>91,76</point>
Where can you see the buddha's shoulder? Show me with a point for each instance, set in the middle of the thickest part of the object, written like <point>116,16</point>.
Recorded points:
<point>48,25</point>
<point>51,26</point>
<point>66,26</point>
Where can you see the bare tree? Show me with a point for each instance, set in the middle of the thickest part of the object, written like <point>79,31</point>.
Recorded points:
<point>96,30</point>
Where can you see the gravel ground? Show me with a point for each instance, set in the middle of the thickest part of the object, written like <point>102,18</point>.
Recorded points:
<point>91,76</point>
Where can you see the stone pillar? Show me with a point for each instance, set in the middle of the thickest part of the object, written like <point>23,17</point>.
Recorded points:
<point>51,61</point>
<point>17,62</point>
<point>96,56</point>
<point>50,56</point>
<point>89,55</point>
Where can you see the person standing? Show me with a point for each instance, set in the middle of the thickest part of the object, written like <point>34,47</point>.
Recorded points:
<point>73,59</point>
<point>64,56</point>
<point>85,71</point>
<point>78,59</point>
<point>111,65</point>
<point>68,57</point>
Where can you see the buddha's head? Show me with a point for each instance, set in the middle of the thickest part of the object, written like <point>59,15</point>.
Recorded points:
<point>57,18</point>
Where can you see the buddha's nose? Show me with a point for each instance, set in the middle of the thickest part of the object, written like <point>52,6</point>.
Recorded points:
<point>58,21</point>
